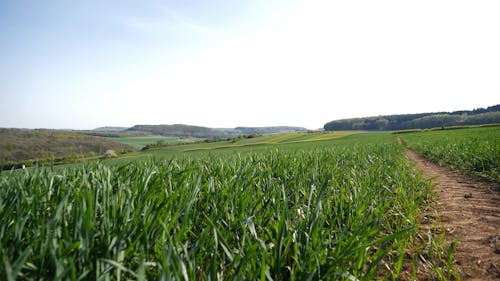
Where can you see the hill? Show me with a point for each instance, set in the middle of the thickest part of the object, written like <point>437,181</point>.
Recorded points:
<point>22,146</point>
<point>478,116</point>
<point>187,131</point>
<point>179,130</point>
<point>110,129</point>
<point>267,130</point>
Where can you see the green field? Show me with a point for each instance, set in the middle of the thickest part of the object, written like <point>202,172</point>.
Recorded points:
<point>141,141</point>
<point>268,140</point>
<point>275,138</point>
<point>475,151</point>
<point>290,206</point>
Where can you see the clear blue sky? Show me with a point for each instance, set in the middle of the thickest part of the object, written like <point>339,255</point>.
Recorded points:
<point>85,64</point>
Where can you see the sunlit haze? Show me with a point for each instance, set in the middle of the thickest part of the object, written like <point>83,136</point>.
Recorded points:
<point>86,64</point>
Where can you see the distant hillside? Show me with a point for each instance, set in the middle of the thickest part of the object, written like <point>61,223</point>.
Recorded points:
<point>186,131</point>
<point>478,116</point>
<point>266,130</point>
<point>180,131</point>
<point>114,134</point>
<point>110,129</point>
<point>47,146</point>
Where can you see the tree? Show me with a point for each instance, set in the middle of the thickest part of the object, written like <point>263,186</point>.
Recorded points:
<point>382,123</point>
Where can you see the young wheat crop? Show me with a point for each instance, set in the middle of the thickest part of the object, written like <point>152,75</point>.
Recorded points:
<point>336,212</point>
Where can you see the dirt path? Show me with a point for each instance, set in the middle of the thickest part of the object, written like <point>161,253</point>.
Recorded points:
<point>469,211</point>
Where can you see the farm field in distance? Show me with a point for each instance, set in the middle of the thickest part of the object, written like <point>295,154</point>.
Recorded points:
<point>235,145</point>
<point>141,141</point>
<point>288,206</point>
<point>272,138</point>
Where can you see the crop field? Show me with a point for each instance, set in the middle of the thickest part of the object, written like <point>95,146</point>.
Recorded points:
<point>271,139</point>
<point>288,206</point>
<point>267,139</point>
<point>474,151</point>
<point>141,141</point>
<point>338,209</point>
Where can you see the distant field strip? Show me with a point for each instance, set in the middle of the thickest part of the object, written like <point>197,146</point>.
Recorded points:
<point>286,137</point>
<point>141,141</point>
<point>328,136</point>
<point>225,146</point>
<point>281,139</point>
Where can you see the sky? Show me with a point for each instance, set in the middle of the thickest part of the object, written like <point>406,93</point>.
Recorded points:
<point>225,63</point>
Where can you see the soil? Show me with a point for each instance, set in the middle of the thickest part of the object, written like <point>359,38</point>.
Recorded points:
<point>469,212</point>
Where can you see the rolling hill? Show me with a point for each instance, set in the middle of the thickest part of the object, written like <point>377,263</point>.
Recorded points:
<point>23,146</point>
<point>187,131</point>
<point>179,130</point>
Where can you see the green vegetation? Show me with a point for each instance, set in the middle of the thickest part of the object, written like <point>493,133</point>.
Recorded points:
<point>418,121</point>
<point>474,151</point>
<point>285,206</point>
<point>142,141</point>
<point>238,144</point>
<point>187,131</point>
<point>110,129</point>
<point>180,131</point>
<point>407,131</point>
<point>267,130</point>
<point>27,147</point>
<point>334,209</point>
<point>114,134</point>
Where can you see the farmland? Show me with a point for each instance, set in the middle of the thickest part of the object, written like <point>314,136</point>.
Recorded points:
<point>473,151</point>
<point>141,141</point>
<point>338,206</point>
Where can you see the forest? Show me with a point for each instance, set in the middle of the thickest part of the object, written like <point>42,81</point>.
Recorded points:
<point>489,115</point>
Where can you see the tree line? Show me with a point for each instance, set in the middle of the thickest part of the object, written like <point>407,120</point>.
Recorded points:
<point>478,116</point>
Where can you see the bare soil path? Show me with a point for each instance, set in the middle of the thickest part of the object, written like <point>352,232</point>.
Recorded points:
<point>469,211</point>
